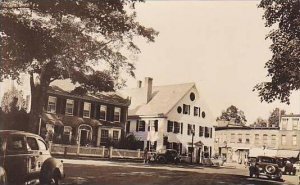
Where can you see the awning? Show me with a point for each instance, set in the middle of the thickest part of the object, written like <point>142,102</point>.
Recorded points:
<point>241,148</point>
<point>75,121</point>
<point>199,143</point>
<point>52,119</point>
<point>287,153</point>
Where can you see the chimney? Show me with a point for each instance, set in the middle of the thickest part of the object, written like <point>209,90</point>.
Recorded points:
<point>148,87</point>
<point>139,84</point>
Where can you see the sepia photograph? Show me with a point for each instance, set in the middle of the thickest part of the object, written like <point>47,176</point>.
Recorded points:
<point>150,92</point>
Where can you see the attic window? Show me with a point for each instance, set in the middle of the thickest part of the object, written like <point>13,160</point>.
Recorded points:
<point>192,96</point>
<point>179,109</point>
<point>203,114</point>
<point>186,109</point>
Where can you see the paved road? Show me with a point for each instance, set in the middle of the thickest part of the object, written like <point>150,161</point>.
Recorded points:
<point>122,173</point>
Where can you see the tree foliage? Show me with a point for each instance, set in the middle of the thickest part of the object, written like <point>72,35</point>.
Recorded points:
<point>232,113</point>
<point>275,117</point>
<point>13,100</point>
<point>260,123</point>
<point>86,41</point>
<point>284,66</point>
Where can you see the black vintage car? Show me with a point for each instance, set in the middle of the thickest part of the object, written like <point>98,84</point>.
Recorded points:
<point>286,166</point>
<point>265,166</point>
<point>25,157</point>
<point>167,156</point>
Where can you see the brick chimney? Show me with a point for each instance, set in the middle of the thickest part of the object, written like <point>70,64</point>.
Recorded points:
<point>148,87</point>
<point>139,84</point>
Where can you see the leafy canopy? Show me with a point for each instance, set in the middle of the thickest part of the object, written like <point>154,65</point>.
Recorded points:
<point>232,113</point>
<point>76,39</point>
<point>284,66</point>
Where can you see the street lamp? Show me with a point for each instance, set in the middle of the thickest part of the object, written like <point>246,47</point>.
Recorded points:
<point>192,153</point>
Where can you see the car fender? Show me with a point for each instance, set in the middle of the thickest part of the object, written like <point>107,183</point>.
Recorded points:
<point>52,164</point>
<point>3,176</point>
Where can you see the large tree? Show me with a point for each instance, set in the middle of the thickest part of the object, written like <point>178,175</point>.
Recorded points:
<point>68,39</point>
<point>284,66</point>
<point>259,122</point>
<point>232,113</point>
<point>274,117</point>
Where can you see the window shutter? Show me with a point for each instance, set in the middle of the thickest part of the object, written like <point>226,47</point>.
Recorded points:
<point>80,108</point>
<point>210,134</point>
<point>137,125</point>
<point>181,129</point>
<point>156,125</point>
<point>93,115</point>
<point>75,111</point>
<point>58,105</point>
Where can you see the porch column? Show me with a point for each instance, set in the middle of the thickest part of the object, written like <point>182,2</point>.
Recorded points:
<point>98,136</point>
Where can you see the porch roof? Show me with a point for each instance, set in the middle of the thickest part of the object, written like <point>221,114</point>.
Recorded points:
<point>51,119</point>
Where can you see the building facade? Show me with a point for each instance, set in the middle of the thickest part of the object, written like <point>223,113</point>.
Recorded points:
<point>94,120</point>
<point>289,132</point>
<point>171,117</point>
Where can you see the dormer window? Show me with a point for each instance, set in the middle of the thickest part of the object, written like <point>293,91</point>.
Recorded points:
<point>186,109</point>
<point>51,104</point>
<point>86,110</point>
<point>103,110</point>
<point>69,107</point>
<point>117,114</point>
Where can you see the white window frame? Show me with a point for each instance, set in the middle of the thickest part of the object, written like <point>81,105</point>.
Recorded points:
<point>66,112</point>
<point>117,109</point>
<point>90,105</point>
<point>53,98</point>
<point>113,134</point>
<point>105,108</point>
<point>294,140</point>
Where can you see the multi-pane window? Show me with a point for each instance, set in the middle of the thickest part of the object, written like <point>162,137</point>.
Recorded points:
<point>256,138</point>
<point>170,126</point>
<point>265,139</point>
<point>206,132</point>
<point>186,109</point>
<point>283,139</point>
<point>115,135</point>
<point>103,110</point>
<point>239,138</point>
<point>51,104</point>
<point>191,129</point>
<point>176,127</point>
<point>69,107</point>
<point>196,111</point>
<point>295,123</point>
<point>141,125</point>
<point>232,138</point>
<point>273,139</point>
<point>247,138</point>
<point>294,138</point>
<point>104,136</point>
<point>201,131</point>
<point>86,109</point>
<point>117,114</point>
<point>284,123</point>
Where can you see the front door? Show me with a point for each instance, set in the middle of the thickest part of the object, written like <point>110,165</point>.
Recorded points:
<point>83,137</point>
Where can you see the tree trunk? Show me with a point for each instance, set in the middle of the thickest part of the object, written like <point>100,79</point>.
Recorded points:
<point>38,96</point>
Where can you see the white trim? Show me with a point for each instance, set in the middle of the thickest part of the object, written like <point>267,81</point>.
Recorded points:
<point>104,106</point>
<point>69,114</point>
<point>54,98</point>
<point>90,105</point>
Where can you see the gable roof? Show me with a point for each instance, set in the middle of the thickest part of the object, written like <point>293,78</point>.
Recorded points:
<point>103,97</point>
<point>163,99</point>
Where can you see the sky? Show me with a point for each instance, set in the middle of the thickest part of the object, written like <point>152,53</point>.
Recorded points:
<point>218,45</point>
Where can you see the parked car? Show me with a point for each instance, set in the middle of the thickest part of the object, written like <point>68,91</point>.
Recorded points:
<point>265,166</point>
<point>167,156</point>
<point>286,166</point>
<point>297,165</point>
<point>25,156</point>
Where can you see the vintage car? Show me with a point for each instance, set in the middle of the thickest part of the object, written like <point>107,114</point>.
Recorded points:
<point>265,166</point>
<point>25,157</point>
<point>286,166</point>
<point>167,156</point>
<point>297,166</point>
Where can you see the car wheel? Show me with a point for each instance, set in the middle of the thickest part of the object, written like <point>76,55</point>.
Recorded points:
<point>49,176</point>
<point>251,174</point>
<point>162,160</point>
<point>3,179</point>
<point>270,169</point>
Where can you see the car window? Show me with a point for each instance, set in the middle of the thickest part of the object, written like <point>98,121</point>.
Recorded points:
<point>32,143</point>
<point>42,145</point>
<point>16,143</point>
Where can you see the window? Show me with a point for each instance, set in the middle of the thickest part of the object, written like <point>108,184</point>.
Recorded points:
<point>86,110</point>
<point>103,110</point>
<point>104,136</point>
<point>32,143</point>
<point>283,139</point>
<point>256,139</point>
<point>294,140</point>
<point>153,125</point>
<point>192,96</point>
<point>203,114</point>
<point>51,104</point>
<point>115,135</point>
<point>284,123</point>
<point>141,125</point>
<point>240,140</point>
<point>179,109</point>
<point>201,131</point>
<point>265,139</point>
<point>196,111</point>
<point>295,123</point>
<point>170,126</point>
<point>186,109</point>
<point>247,138</point>
<point>232,138</point>
<point>69,107</point>
<point>206,132</point>
<point>273,139</point>
<point>16,143</point>
<point>191,129</point>
<point>176,127</point>
<point>117,114</point>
